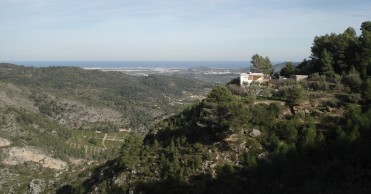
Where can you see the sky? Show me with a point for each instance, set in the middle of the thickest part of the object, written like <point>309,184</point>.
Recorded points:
<point>212,30</point>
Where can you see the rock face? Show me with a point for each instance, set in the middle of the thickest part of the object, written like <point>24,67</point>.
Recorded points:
<point>4,142</point>
<point>36,186</point>
<point>255,133</point>
<point>18,155</point>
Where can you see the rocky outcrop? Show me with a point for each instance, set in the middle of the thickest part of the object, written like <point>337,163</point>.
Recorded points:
<point>19,155</point>
<point>4,142</point>
<point>255,133</point>
<point>36,186</point>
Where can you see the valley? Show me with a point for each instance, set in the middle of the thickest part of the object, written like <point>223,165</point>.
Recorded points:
<point>54,121</point>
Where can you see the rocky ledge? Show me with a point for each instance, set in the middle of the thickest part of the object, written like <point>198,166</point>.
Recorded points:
<point>20,155</point>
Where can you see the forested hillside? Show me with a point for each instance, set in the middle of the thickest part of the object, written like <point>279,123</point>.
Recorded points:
<point>311,136</point>
<point>56,120</point>
<point>138,99</point>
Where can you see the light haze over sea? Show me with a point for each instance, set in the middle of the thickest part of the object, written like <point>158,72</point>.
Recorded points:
<point>137,64</point>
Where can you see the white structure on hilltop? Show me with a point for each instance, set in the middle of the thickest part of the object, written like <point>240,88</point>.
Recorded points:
<point>298,77</point>
<point>248,78</point>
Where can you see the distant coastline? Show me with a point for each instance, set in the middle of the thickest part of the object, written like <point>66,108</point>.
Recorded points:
<point>136,64</point>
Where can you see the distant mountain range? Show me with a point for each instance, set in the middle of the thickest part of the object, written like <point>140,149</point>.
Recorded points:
<point>278,66</point>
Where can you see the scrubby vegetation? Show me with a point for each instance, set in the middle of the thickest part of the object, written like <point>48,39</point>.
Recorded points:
<point>140,99</point>
<point>224,145</point>
<point>310,136</point>
<point>76,117</point>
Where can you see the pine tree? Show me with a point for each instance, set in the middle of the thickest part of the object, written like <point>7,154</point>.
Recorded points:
<point>365,40</point>
<point>261,64</point>
<point>288,69</point>
<point>215,113</point>
<point>327,64</point>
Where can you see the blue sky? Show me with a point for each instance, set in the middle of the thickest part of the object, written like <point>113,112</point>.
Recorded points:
<point>171,29</point>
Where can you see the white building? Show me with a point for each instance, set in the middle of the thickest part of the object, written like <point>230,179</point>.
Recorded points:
<point>298,77</point>
<point>247,78</point>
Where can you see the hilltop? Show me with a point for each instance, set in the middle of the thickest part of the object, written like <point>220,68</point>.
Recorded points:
<point>229,144</point>
<point>278,66</point>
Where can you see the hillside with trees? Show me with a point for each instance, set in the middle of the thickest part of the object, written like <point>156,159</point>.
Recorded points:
<point>138,99</point>
<point>57,120</point>
<point>308,136</point>
<point>224,144</point>
<point>342,59</point>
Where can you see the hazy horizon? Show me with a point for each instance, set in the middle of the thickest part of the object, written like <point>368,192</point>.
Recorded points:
<point>211,30</point>
<point>136,63</point>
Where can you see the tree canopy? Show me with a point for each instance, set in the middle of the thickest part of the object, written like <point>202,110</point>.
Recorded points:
<point>261,64</point>
<point>338,53</point>
<point>288,69</point>
<point>215,112</point>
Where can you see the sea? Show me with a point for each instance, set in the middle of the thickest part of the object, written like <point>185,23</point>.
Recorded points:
<point>136,64</point>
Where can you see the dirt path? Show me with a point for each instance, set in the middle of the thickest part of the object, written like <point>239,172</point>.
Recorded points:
<point>104,138</point>
<point>268,102</point>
